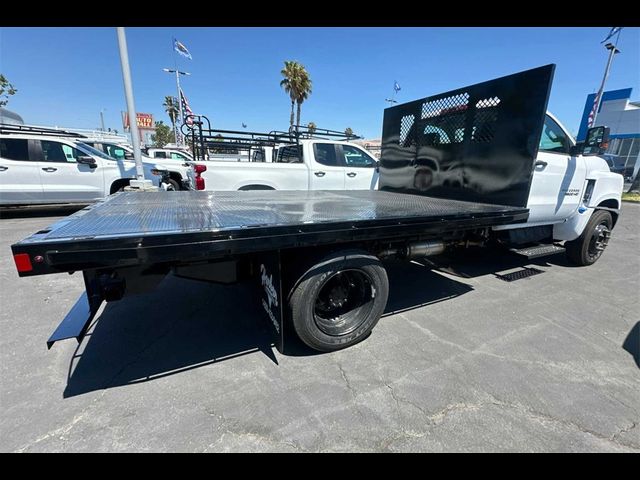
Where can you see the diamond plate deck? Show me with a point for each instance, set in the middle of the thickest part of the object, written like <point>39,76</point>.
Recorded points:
<point>155,213</point>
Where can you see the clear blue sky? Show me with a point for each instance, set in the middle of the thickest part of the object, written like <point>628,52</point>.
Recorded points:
<point>65,76</point>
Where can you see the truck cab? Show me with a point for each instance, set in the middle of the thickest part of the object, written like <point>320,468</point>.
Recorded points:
<point>568,184</point>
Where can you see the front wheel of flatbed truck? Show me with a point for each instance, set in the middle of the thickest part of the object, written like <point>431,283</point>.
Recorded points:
<point>337,302</point>
<point>588,247</point>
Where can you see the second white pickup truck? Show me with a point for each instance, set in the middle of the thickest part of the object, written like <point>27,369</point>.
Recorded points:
<point>314,164</point>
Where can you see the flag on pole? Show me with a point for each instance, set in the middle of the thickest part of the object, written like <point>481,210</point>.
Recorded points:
<point>612,32</point>
<point>186,110</point>
<point>396,87</point>
<point>592,113</point>
<point>181,49</point>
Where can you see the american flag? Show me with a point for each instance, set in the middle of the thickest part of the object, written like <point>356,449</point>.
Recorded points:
<point>592,113</point>
<point>186,110</point>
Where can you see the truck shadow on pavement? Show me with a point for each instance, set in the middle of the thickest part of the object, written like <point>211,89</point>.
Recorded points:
<point>185,324</point>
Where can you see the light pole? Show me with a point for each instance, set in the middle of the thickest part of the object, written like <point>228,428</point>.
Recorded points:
<point>178,73</point>
<point>612,51</point>
<point>139,182</point>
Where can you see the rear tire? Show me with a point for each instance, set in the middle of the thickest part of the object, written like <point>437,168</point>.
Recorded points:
<point>588,247</point>
<point>338,301</point>
<point>175,187</point>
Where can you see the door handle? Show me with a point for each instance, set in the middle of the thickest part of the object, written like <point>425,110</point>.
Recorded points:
<point>541,163</point>
<point>319,174</point>
<point>49,169</point>
<point>3,168</point>
<point>351,174</point>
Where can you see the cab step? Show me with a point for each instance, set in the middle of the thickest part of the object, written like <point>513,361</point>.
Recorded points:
<point>542,250</point>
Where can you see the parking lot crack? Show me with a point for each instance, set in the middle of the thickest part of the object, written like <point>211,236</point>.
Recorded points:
<point>623,431</point>
<point>542,417</point>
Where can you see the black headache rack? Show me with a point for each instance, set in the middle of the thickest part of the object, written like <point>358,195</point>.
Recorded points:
<point>204,139</point>
<point>33,130</point>
<point>476,143</point>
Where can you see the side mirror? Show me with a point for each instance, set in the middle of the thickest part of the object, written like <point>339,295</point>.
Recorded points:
<point>87,160</point>
<point>597,141</point>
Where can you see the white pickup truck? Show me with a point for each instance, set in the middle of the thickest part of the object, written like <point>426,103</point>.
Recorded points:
<point>45,166</point>
<point>313,164</point>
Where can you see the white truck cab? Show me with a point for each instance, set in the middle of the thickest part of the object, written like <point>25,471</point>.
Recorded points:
<point>567,186</point>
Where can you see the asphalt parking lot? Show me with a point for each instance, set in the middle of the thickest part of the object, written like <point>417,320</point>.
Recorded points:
<point>463,361</point>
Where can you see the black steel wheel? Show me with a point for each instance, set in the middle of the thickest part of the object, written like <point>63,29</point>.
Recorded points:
<point>338,301</point>
<point>588,247</point>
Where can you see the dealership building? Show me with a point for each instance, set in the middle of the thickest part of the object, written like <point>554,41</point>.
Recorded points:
<point>622,115</point>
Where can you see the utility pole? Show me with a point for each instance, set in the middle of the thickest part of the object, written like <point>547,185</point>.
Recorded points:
<point>140,182</point>
<point>180,117</point>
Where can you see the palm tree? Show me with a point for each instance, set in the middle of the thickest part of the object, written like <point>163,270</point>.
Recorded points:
<point>290,72</point>
<point>297,84</point>
<point>311,126</point>
<point>348,132</point>
<point>304,90</point>
<point>171,107</point>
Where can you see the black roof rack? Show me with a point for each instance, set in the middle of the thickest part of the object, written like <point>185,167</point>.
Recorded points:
<point>203,137</point>
<point>6,128</point>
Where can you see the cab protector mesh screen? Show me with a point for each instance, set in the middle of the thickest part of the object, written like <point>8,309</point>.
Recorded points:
<point>476,143</point>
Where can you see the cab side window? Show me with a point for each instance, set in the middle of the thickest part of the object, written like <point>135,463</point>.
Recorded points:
<point>14,149</point>
<point>115,152</point>
<point>354,157</point>
<point>553,138</point>
<point>177,156</point>
<point>58,152</point>
<point>325,154</point>
<point>291,154</point>
<point>160,154</point>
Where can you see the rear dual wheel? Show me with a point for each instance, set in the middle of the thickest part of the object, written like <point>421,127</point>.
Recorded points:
<point>338,301</point>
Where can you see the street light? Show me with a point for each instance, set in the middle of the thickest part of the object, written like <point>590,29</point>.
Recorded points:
<point>178,73</point>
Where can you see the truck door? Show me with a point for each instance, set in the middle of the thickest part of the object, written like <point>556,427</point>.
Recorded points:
<point>558,177</point>
<point>19,172</point>
<point>360,169</point>
<point>65,180</point>
<point>326,167</point>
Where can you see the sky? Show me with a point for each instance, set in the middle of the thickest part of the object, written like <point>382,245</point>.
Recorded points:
<point>66,76</point>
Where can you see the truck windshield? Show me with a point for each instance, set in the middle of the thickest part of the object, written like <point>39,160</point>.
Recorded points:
<point>92,151</point>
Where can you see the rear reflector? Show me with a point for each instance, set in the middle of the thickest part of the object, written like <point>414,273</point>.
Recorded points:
<point>23,262</point>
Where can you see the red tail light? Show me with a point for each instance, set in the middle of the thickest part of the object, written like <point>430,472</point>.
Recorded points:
<point>23,262</point>
<point>199,180</point>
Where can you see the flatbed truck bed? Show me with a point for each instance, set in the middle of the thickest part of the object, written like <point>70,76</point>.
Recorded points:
<point>131,229</point>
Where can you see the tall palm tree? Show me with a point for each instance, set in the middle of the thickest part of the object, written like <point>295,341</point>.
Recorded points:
<point>171,107</point>
<point>297,84</point>
<point>290,72</point>
<point>304,90</point>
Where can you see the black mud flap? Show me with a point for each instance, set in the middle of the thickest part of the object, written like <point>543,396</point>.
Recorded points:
<point>76,322</point>
<point>270,288</point>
